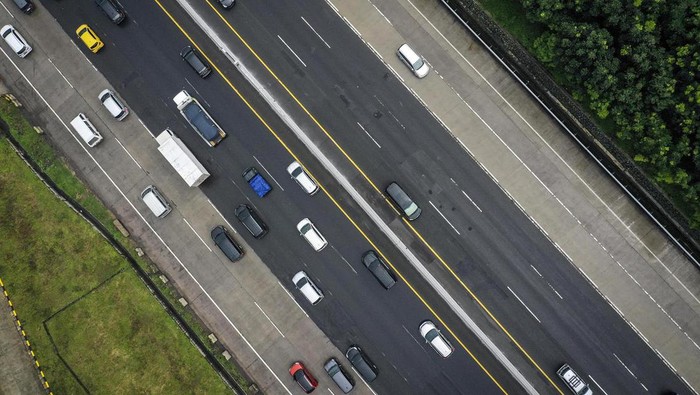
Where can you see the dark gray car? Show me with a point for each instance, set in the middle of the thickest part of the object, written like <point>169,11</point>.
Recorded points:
<point>250,219</point>
<point>114,11</point>
<point>224,241</point>
<point>405,203</point>
<point>227,4</point>
<point>195,61</point>
<point>379,269</point>
<point>25,6</point>
<point>339,375</point>
<point>361,363</point>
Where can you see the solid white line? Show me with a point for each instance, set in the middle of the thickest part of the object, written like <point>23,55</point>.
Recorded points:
<point>147,129</point>
<point>197,92</point>
<point>329,390</point>
<point>219,212</point>
<point>290,50</point>
<point>523,303</point>
<point>197,234</point>
<point>59,72</point>
<point>268,318</point>
<point>443,217</point>
<point>596,383</point>
<point>314,30</point>
<point>363,380</point>
<point>8,11</point>
<point>268,173</point>
<point>536,271</point>
<point>121,192</point>
<point>369,135</point>
<point>128,153</point>
<point>470,199</point>
<point>292,298</point>
<point>414,339</point>
<point>395,73</point>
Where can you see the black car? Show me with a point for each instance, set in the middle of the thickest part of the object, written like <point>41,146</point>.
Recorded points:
<point>114,11</point>
<point>361,363</point>
<point>227,4</point>
<point>195,61</point>
<point>379,269</point>
<point>25,6</point>
<point>224,241</point>
<point>250,219</point>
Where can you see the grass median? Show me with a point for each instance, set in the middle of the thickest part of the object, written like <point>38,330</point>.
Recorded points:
<point>93,324</point>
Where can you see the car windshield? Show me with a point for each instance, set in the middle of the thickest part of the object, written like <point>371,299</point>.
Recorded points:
<point>418,64</point>
<point>431,335</point>
<point>411,209</point>
<point>303,381</point>
<point>305,229</point>
<point>296,171</point>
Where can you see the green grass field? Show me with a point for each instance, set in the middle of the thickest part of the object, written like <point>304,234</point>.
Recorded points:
<point>114,334</point>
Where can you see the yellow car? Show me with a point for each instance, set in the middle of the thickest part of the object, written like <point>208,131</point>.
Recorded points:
<point>89,38</point>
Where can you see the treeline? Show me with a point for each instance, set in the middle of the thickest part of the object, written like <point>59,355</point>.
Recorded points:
<point>636,64</point>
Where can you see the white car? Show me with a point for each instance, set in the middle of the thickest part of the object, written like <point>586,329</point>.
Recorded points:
<point>112,103</point>
<point>302,178</point>
<point>436,340</point>
<point>15,40</point>
<point>414,62</point>
<point>573,381</point>
<point>307,287</point>
<point>311,234</point>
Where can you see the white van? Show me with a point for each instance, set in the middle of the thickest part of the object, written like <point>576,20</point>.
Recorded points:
<point>307,287</point>
<point>86,130</point>
<point>311,234</point>
<point>15,41</point>
<point>414,62</point>
<point>302,178</point>
<point>155,201</point>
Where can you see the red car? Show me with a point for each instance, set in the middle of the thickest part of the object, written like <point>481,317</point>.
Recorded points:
<point>303,377</point>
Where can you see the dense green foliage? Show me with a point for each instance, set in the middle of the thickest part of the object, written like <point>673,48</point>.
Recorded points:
<point>637,63</point>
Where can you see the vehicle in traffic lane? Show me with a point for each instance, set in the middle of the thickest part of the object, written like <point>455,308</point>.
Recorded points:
<point>226,244</point>
<point>15,40</point>
<point>307,287</point>
<point>199,118</point>
<point>339,376</point>
<point>112,9</point>
<point>250,219</point>
<point>256,181</point>
<point>26,6</point>
<point>112,103</point>
<point>573,380</point>
<point>379,269</point>
<point>89,38</point>
<point>437,341</point>
<point>405,203</point>
<point>302,178</point>
<point>198,64</point>
<point>227,4</point>
<point>414,61</point>
<point>155,202</point>
<point>86,130</point>
<point>303,377</point>
<point>307,229</point>
<point>181,158</point>
<point>362,364</point>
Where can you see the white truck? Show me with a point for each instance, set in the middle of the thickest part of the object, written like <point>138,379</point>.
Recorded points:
<point>199,118</point>
<point>181,158</point>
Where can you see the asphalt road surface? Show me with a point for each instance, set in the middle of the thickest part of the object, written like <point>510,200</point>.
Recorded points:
<point>488,242</point>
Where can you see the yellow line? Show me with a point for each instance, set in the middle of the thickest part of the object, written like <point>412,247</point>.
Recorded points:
<point>451,271</point>
<point>279,139</point>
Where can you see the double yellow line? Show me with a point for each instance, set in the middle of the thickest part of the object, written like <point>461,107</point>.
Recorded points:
<point>374,186</point>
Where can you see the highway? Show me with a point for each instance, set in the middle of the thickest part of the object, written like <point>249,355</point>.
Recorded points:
<point>142,62</point>
<point>477,231</point>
